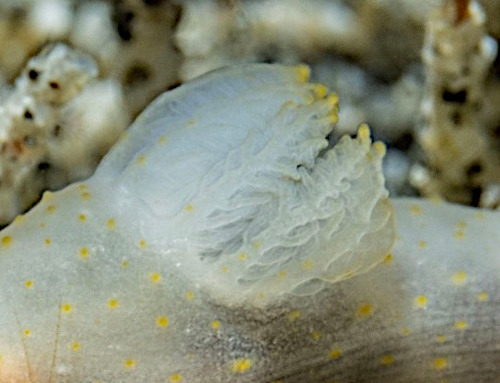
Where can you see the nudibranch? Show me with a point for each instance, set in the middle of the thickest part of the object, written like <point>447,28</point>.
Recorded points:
<point>224,240</point>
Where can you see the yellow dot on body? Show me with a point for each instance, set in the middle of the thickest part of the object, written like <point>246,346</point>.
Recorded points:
<point>421,301</point>
<point>379,148</point>
<point>366,309</point>
<point>162,322</point>
<point>27,332</point>
<point>307,264</point>
<point>6,240</point>
<point>242,257</point>
<point>113,303</point>
<point>388,258</point>
<point>333,99</point>
<point>215,324</point>
<point>459,278</point>
<point>66,308</point>
<point>303,72</point>
<point>175,378</point>
<point>29,284</point>
<point>142,244</point>
<point>110,224</point>
<point>141,160</point>
<point>459,234</point>
<point>441,338</point>
<point>189,295</point>
<point>129,363</point>
<point>225,269</point>
<point>406,331</point>
<point>75,346</point>
<point>364,132</point>
<point>51,208</point>
<point>125,264</point>
<point>155,277</point>
<point>439,363</point>
<point>294,315</point>
<point>162,139</point>
<point>189,208</point>
<point>461,325</point>
<point>387,359</point>
<point>415,209</point>
<point>461,224</point>
<point>483,296</point>
<point>242,365</point>
<point>320,90</point>
<point>422,244</point>
<point>316,335</point>
<point>335,353</point>
<point>85,196</point>
<point>333,117</point>
<point>48,241</point>
<point>82,218</point>
<point>84,253</point>
<point>281,274</point>
<point>82,186</point>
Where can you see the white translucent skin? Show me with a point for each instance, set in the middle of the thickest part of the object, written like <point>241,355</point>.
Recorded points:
<point>136,276</point>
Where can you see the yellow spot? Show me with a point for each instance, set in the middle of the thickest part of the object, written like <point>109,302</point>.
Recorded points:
<point>439,363</point>
<point>113,303</point>
<point>18,219</point>
<point>110,224</point>
<point>335,353</point>
<point>175,378</point>
<point>415,209</point>
<point>303,72</point>
<point>242,257</point>
<point>142,244</point>
<point>483,296</point>
<point>406,331</point>
<point>387,359</point>
<point>459,278</point>
<point>242,365</point>
<point>84,253</point>
<point>27,332</point>
<point>189,208</point>
<point>189,295</point>
<point>388,258</point>
<point>85,196</point>
<point>162,139</point>
<point>316,335</point>
<point>296,314</point>
<point>51,208</point>
<point>6,240</point>
<point>307,264</point>
<point>281,274</point>
<point>459,234</point>
<point>82,217</point>
<point>48,241</point>
<point>29,284</point>
<point>75,347</point>
<point>461,224</point>
<point>333,99</point>
<point>125,264</point>
<point>320,90</point>
<point>129,363</point>
<point>441,338</point>
<point>365,309</point>
<point>333,117</point>
<point>461,325</point>
<point>162,322</point>
<point>364,132</point>
<point>225,269</point>
<point>82,187</point>
<point>215,324</point>
<point>379,148</point>
<point>155,277</point>
<point>66,308</point>
<point>141,160</point>
<point>422,244</point>
<point>421,301</point>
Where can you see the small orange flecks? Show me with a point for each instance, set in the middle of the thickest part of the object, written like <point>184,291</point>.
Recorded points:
<point>386,359</point>
<point>459,278</point>
<point>6,240</point>
<point>439,363</point>
<point>175,378</point>
<point>335,353</point>
<point>155,277</point>
<point>242,365</point>
<point>113,303</point>
<point>85,196</point>
<point>421,301</point>
<point>461,325</point>
<point>162,322</point>
<point>483,296</point>
<point>189,295</point>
